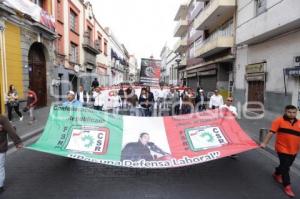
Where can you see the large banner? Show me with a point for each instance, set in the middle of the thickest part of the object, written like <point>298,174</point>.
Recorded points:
<point>33,10</point>
<point>150,72</point>
<point>141,142</point>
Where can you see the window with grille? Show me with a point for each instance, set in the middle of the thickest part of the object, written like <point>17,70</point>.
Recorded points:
<point>73,20</point>
<point>73,53</point>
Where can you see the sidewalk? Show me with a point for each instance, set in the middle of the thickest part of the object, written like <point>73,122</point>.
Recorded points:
<point>27,131</point>
<point>253,126</point>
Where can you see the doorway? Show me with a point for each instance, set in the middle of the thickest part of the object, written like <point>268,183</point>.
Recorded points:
<point>37,73</point>
<point>256,91</point>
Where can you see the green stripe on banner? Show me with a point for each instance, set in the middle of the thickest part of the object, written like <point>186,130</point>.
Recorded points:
<point>81,131</point>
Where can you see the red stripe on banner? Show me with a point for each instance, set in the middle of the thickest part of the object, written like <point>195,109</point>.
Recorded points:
<point>198,134</point>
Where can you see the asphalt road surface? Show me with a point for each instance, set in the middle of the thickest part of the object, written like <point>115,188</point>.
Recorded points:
<point>34,175</point>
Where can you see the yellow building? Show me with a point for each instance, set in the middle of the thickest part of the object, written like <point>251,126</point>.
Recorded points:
<point>11,61</point>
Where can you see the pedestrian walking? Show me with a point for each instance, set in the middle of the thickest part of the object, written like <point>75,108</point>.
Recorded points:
<point>31,103</point>
<point>173,101</point>
<point>144,103</point>
<point>216,100</point>
<point>98,99</point>
<point>6,129</point>
<point>83,96</point>
<point>187,106</point>
<point>71,100</point>
<point>13,103</point>
<point>150,100</point>
<point>132,101</point>
<point>200,100</point>
<point>95,84</point>
<point>287,130</point>
<point>116,102</point>
<point>121,93</point>
<point>160,100</point>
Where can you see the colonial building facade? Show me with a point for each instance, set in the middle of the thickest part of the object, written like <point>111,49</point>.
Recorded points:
<point>27,35</point>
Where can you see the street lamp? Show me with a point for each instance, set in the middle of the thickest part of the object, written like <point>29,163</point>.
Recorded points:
<point>178,60</point>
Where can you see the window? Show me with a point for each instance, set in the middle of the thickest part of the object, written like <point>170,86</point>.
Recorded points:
<point>73,53</point>
<point>89,35</point>
<point>105,47</point>
<point>100,43</point>
<point>260,6</point>
<point>59,44</point>
<point>73,17</point>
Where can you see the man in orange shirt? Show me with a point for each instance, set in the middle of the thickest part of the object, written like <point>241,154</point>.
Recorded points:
<point>287,130</point>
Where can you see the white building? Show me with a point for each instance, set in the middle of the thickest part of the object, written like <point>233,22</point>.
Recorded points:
<point>133,69</point>
<point>268,40</point>
<point>169,68</point>
<point>164,76</point>
<point>117,61</point>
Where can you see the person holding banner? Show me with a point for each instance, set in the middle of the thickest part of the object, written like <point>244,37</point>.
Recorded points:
<point>229,107</point>
<point>6,129</point>
<point>287,130</point>
<point>71,101</point>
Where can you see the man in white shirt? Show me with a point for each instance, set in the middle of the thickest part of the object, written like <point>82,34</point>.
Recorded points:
<point>83,96</point>
<point>228,106</point>
<point>216,100</point>
<point>99,99</point>
<point>160,99</point>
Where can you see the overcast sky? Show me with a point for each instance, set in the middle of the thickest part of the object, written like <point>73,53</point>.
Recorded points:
<point>144,26</point>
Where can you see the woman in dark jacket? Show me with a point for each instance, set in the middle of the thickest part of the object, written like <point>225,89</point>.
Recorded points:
<point>13,102</point>
<point>144,103</point>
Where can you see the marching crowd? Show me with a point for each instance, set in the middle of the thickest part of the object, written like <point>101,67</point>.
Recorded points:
<point>160,102</point>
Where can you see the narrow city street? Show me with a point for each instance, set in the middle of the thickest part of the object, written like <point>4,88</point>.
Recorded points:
<point>134,89</point>
<point>37,175</point>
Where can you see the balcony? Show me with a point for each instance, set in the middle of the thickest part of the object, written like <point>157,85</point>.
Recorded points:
<point>90,46</point>
<point>181,46</point>
<point>182,12</point>
<point>214,14</point>
<point>183,62</point>
<point>181,28</point>
<point>218,41</point>
<point>253,28</point>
